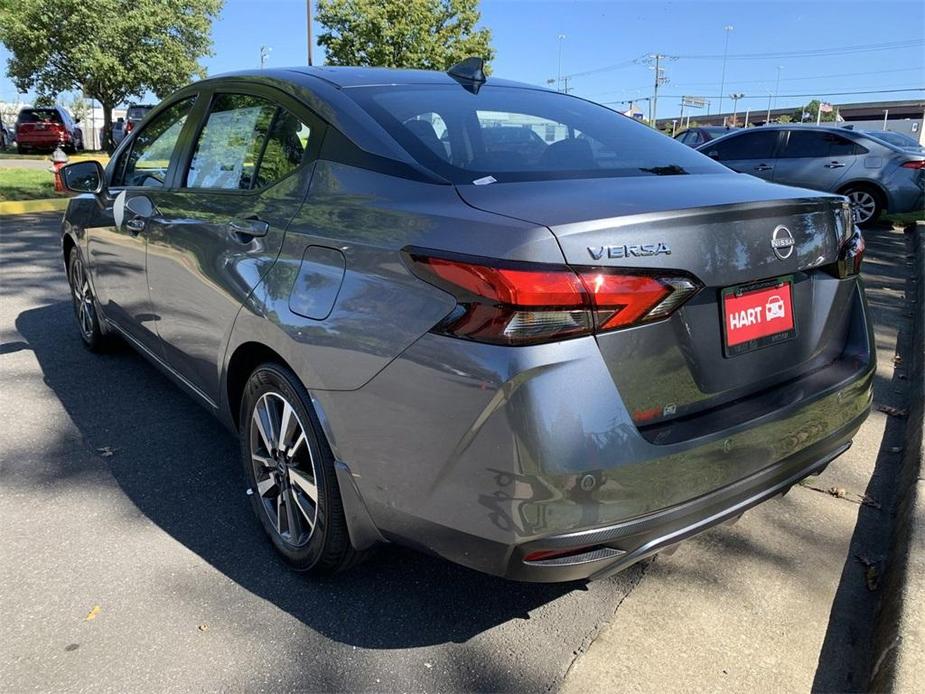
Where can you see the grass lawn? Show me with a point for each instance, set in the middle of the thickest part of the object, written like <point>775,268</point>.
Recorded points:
<point>906,217</point>
<point>26,184</point>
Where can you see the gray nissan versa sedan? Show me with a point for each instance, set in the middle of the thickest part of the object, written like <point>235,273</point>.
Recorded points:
<point>542,362</point>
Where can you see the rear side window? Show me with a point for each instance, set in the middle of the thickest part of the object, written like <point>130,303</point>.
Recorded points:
<point>146,163</point>
<point>246,142</point>
<point>516,134</point>
<point>810,144</point>
<point>755,145</point>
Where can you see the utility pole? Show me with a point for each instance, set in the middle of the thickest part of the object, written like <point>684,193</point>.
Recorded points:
<point>565,88</point>
<point>654,61</point>
<point>264,55</point>
<point>559,68</point>
<point>308,28</point>
<point>768,118</point>
<point>722,84</point>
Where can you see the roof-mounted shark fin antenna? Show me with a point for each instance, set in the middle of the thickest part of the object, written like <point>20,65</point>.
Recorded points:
<point>470,73</point>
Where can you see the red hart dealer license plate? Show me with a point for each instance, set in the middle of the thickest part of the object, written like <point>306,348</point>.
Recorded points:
<point>757,315</point>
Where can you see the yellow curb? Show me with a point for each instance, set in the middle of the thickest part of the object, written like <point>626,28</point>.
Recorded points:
<point>30,206</point>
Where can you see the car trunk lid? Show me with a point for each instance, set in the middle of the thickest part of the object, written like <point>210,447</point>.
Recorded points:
<point>721,229</point>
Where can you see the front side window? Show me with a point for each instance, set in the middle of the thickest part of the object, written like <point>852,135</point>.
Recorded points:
<point>247,142</point>
<point>754,145</point>
<point>146,162</point>
<point>518,134</point>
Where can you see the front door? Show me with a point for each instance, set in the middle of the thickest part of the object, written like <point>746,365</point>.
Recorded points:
<point>221,227</point>
<point>117,238</point>
<point>750,152</point>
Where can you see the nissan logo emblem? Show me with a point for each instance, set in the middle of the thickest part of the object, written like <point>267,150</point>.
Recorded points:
<point>782,242</point>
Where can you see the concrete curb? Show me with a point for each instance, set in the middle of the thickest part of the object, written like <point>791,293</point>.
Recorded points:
<point>10,207</point>
<point>899,636</point>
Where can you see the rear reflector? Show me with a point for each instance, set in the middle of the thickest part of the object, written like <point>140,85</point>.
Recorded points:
<point>516,303</point>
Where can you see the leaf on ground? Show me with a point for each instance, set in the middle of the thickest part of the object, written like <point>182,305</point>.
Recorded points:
<point>838,492</point>
<point>893,411</point>
<point>898,359</point>
<point>203,627</point>
<point>93,614</point>
<point>106,451</point>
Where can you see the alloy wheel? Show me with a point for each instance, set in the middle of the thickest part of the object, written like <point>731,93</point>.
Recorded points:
<point>83,299</point>
<point>284,469</point>
<point>863,204</point>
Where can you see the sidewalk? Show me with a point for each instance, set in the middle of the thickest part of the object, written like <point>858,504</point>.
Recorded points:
<point>785,599</point>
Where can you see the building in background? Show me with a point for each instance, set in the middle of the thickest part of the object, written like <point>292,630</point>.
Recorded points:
<point>906,116</point>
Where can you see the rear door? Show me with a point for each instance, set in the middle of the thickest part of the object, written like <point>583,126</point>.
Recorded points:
<point>221,226</point>
<point>815,159</point>
<point>748,152</point>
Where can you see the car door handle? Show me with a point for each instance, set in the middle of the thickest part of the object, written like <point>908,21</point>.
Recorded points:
<point>834,165</point>
<point>763,167</point>
<point>136,225</point>
<point>246,229</point>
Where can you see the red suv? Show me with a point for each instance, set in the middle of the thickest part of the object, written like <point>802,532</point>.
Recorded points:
<point>47,128</point>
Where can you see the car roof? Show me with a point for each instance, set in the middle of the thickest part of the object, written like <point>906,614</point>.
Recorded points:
<point>345,77</point>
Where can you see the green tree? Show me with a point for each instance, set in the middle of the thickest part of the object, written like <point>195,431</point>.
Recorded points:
<point>427,34</point>
<point>785,119</point>
<point>111,49</point>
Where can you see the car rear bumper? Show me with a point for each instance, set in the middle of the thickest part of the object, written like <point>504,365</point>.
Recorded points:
<point>485,455</point>
<point>613,548</point>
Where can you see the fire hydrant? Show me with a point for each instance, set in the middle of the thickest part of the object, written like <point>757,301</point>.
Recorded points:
<point>58,160</point>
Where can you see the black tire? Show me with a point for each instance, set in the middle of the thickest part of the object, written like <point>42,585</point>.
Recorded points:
<point>327,548</point>
<point>86,310</point>
<point>21,149</point>
<point>867,203</point>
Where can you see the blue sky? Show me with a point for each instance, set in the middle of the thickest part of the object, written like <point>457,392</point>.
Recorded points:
<point>599,34</point>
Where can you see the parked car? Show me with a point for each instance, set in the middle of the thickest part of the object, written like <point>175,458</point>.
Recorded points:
<point>44,129</point>
<point>544,368</point>
<point>697,135</point>
<point>901,140</point>
<point>135,114</point>
<point>7,135</point>
<point>873,174</point>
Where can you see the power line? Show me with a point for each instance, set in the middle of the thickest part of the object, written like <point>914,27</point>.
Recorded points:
<point>814,94</point>
<point>814,77</point>
<point>842,50</point>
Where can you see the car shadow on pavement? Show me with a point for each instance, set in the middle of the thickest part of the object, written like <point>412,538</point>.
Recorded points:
<point>180,467</point>
<point>846,660</point>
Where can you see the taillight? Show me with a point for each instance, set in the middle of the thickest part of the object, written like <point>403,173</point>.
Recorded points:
<point>516,303</point>
<point>920,164</point>
<point>850,256</point>
<point>128,127</point>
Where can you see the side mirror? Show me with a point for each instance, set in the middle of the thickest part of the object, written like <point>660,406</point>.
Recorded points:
<point>140,206</point>
<point>83,177</point>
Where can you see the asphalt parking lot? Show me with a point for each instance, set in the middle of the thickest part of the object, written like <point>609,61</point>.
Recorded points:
<point>131,559</point>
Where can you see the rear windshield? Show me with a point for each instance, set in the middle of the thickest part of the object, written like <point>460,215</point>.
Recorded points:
<point>39,115</point>
<point>509,134</point>
<point>137,112</point>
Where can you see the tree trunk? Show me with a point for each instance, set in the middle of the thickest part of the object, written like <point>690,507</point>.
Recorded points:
<point>107,143</point>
